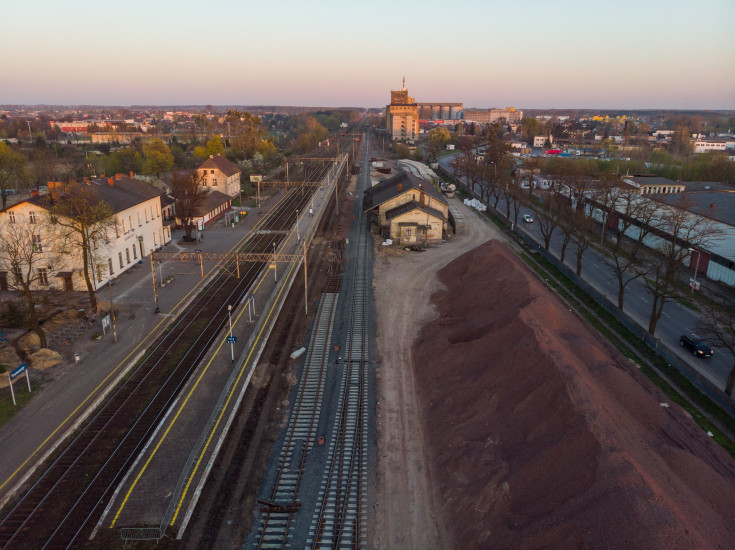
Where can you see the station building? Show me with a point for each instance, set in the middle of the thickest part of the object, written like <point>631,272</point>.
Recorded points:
<point>408,210</point>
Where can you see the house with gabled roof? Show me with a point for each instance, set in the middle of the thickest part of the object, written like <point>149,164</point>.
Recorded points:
<point>408,209</point>
<point>220,174</point>
<point>138,229</point>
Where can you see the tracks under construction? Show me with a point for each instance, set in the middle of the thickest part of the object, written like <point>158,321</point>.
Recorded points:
<point>319,492</point>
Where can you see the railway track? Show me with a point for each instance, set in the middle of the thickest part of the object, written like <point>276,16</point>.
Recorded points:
<point>339,521</point>
<point>338,517</point>
<point>58,508</point>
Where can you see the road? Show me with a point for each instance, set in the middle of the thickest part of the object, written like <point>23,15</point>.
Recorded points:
<point>675,320</point>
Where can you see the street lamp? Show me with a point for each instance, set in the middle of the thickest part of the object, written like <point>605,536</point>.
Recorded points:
<point>298,236</point>
<point>232,345</point>
<point>112,312</point>
<point>696,270</point>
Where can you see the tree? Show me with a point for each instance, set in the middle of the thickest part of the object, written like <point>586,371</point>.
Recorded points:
<point>23,256</point>
<point>190,194</point>
<point>680,230</point>
<point>438,138</point>
<point>718,327</point>
<point>83,222</point>
<point>215,146</point>
<point>635,219</point>
<point>403,151</point>
<point>550,213</point>
<point>12,171</point>
<point>681,142</point>
<point>158,157</point>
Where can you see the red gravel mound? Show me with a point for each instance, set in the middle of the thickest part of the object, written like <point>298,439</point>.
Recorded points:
<point>542,436</point>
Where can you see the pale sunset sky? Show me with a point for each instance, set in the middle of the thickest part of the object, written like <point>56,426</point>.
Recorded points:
<point>624,54</point>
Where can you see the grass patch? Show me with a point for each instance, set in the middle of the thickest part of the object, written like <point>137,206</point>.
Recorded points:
<point>22,398</point>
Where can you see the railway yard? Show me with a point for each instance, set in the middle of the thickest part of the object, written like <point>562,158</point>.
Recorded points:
<point>373,397</point>
<point>135,470</point>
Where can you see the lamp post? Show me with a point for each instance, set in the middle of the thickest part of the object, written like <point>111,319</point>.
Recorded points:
<point>232,345</point>
<point>275,269</point>
<point>696,270</point>
<point>298,236</point>
<point>112,312</point>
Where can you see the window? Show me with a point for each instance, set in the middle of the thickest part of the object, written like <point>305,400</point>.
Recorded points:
<point>408,232</point>
<point>32,217</point>
<point>42,276</point>
<point>117,230</point>
<point>125,230</point>
<point>158,211</point>
<point>211,171</point>
<point>99,273</point>
<point>131,222</point>
<point>135,253</point>
<point>139,223</point>
<point>119,255</point>
<point>37,246</point>
<point>109,266</point>
<point>214,182</point>
<point>18,274</point>
<point>154,240</point>
<point>127,255</point>
<point>11,217</point>
<point>146,215</point>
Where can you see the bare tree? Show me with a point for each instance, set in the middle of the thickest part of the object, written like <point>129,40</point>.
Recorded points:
<point>83,221</point>
<point>28,261</point>
<point>635,218</point>
<point>190,194</point>
<point>718,327</point>
<point>606,194</point>
<point>678,231</point>
<point>550,212</point>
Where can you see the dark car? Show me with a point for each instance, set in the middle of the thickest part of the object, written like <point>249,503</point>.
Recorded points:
<point>696,345</point>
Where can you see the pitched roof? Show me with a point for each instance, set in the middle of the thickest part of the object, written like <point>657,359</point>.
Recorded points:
<point>388,189</point>
<point>220,163</point>
<point>124,193</point>
<point>212,200</point>
<point>410,206</point>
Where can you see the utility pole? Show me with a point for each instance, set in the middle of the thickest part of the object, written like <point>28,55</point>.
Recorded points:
<point>696,270</point>
<point>232,345</point>
<point>155,290</point>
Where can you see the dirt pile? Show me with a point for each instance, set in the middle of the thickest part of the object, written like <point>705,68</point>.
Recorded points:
<point>542,436</point>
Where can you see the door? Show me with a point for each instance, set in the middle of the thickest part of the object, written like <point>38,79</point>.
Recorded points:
<point>68,285</point>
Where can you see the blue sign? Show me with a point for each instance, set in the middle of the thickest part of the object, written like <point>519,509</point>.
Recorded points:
<point>232,339</point>
<point>18,371</point>
<point>252,298</point>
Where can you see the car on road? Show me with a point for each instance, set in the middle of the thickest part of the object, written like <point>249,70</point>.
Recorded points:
<point>527,218</point>
<point>696,345</point>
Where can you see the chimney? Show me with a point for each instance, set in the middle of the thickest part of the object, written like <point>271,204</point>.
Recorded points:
<point>711,205</point>
<point>132,175</point>
<point>399,187</point>
<point>118,176</point>
<point>422,199</point>
<point>34,193</point>
<point>111,182</point>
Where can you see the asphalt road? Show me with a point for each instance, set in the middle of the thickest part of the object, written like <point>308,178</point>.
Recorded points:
<point>675,320</point>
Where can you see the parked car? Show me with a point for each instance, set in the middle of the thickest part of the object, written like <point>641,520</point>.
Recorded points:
<point>527,218</point>
<point>696,345</point>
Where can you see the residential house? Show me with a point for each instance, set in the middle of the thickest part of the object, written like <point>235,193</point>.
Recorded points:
<point>221,175</point>
<point>138,230</point>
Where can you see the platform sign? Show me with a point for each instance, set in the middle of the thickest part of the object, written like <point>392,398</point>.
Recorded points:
<point>18,371</point>
<point>15,373</point>
<point>106,324</point>
<point>232,339</point>
<point>256,179</point>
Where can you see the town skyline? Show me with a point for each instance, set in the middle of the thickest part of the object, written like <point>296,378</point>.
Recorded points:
<point>566,55</point>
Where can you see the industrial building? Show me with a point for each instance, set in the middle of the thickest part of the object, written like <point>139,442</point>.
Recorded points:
<point>509,115</point>
<point>441,111</point>
<point>402,116</point>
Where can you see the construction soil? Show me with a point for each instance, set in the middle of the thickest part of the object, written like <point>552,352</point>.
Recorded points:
<point>511,424</point>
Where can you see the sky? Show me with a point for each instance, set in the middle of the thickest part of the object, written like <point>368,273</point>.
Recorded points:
<point>622,54</point>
